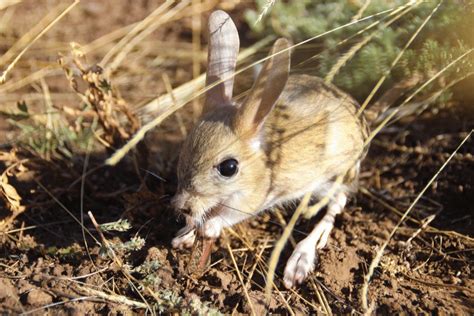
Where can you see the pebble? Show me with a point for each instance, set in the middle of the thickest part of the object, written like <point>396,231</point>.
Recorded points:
<point>38,297</point>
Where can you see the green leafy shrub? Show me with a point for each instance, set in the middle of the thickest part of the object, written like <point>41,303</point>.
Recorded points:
<point>446,36</point>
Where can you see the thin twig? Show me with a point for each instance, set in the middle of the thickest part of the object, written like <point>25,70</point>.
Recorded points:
<point>119,299</point>
<point>77,299</point>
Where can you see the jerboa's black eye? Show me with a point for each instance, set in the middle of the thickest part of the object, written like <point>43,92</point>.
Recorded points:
<point>228,167</point>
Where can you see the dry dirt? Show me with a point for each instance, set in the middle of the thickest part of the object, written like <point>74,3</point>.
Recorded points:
<point>48,262</point>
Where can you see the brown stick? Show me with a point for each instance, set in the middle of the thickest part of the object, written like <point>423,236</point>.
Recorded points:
<point>206,253</point>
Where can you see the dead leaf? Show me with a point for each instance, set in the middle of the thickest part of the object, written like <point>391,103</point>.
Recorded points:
<point>8,156</point>
<point>10,195</point>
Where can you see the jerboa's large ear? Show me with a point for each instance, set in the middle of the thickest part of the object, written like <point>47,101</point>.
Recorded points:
<point>266,90</point>
<point>222,57</point>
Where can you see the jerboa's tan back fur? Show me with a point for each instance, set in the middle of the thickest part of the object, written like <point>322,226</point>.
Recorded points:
<point>313,124</point>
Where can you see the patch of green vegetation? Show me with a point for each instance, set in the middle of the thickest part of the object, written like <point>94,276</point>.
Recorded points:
<point>122,225</point>
<point>148,271</point>
<point>49,135</point>
<point>123,248</point>
<point>71,252</point>
<point>446,36</point>
<point>197,307</point>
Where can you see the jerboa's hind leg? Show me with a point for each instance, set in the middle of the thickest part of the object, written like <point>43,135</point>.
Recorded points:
<point>302,260</point>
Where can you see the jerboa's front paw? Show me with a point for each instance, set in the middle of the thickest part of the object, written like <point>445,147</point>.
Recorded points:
<point>184,238</point>
<point>212,229</point>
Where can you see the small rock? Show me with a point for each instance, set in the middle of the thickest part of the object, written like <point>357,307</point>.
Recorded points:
<point>225,278</point>
<point>58,270</point>
<point>454,280</point>
<point>38,297</point>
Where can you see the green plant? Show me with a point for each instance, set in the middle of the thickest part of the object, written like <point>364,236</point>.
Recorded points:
<point>447,35</point>
<point>49,135</point>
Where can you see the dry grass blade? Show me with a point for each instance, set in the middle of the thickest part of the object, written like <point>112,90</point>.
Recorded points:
<point>266,8</point>
<point>425,224</point>
<point>50,124</point>
<point>6,18</point>
<point>169,90</point>
<point>375,262</point>
<point>323,301</point>
<point>347,56</point>
<point>196,40</point>
<point>441,285</point>
<point>7,3</point>
<point>35,76</point>
<point>77,299</point>
<point>258,258</point>
<point>119,299</point>
<point>259,261</point>
<point>413,220</point>
<point>362,10</point>
<point>137,28</point>
<point>419,107</point>
<point>308,212</point>
<point>108,38</point>
<point>122,54</point>
<point>28,36</point>
<point>43,31</point>
<point>83,183</point>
